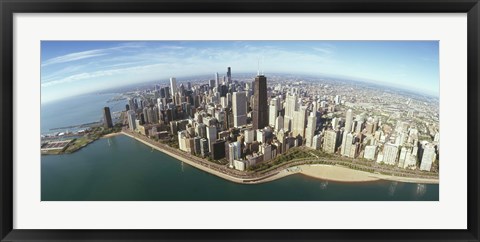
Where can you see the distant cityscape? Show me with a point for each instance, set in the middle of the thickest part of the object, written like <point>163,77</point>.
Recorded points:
<point>245,124</point>
<point>197,120</point>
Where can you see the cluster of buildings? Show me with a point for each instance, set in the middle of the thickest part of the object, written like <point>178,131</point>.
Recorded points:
<point>246,123</point>
<point>366,137</point>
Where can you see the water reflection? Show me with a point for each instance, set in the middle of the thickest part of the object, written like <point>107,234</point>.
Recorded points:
<point>392,188</point>
<point>323,185</point>
<point>421,190</point>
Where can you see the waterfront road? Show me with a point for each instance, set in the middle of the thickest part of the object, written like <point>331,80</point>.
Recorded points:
<point>272,173</point>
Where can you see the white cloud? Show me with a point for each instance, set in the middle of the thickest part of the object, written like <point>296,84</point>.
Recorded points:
<point>90,53</point>
<point>74,57</point>
<point>183,61</point>
<point>323,50</point>
<point>98,74</point>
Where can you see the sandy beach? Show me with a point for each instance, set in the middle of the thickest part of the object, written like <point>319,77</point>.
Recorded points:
<point>336,173</point>
<point>342,174</point>
<point>112,134</point>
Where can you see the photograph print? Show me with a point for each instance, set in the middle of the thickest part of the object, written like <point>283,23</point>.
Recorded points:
<point>240,120</point>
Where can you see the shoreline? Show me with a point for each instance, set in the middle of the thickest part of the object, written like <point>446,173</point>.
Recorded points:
<point>111,135</point>
<point>191,163</point>
<point>318,171</point>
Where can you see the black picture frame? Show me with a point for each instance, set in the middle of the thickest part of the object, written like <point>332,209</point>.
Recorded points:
<point>9,7</point>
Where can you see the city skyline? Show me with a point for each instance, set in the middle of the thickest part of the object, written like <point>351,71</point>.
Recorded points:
<point>246,133</point>
<point>76,67</point>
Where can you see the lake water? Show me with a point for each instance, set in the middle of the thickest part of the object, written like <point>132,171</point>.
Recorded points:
<point>122,169</point>
<point>76,110</point>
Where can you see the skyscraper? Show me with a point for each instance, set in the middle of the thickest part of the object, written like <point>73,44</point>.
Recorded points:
<point>390,154</point>
<point>349,139</point>
<point>229,75</point>
<point>428,157</point>
<point>348,128</point>
<point>329,141</point>
<point>131,104</point>
<point>310,131</point>
<point>173,86</point>
<point>403,156</point>
<point>154,112</point>
<point>145,115</point>
<point>107,118</point>
<point>217,80</point>
<point>234,152</point>
<point>260,105</point>
<point>239,106</point>
<point>204,147</point>
<point>211,136</point>
<point>249,136</point>
<point>370,151</point>
<point>348,121</point>
<point>131,120</point>
<point>211,83</point>
<point>279,123</point>
<point>299,122</point>
<point>291,105</point>
<point>273,111</point>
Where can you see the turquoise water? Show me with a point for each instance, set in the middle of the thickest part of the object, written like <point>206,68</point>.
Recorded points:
<point>122,169</point>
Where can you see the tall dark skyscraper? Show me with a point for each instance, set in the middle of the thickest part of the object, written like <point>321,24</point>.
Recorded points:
<point>229,75</point>
<point>260,105</point>
<point>107,118</point>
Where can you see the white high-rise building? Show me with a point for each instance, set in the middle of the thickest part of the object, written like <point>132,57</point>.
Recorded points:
<point>347,130</point>
<point>211,136</point>
<point>359,126</point>
<point>234,152</point>
<point>229,99</point>
<point>335,122</point>
<point>249,136</point>
<point>329,141</point>
<point>403,156</point>
<point>310,131</point>
<point>370,151</point>
<point>181,140</point>
<point>348,121</point>
<point>173,86</point>
<point>260,136</point>
<point>317,141</point>
<point>428,157</point>
<point>337,100</point>
<point>411,159</point>
<point>240,165</point>
<point>239,105</point>
<point>224,102</point>
<point>159,104</point>
<point>217,80</point>
<point>390,154</point>
<point>266,149</point>
<point>299,121</point>
<point>291,105</point>
<point>349,139</point>
<point>131,120</point>
<point>273,111</point>
<point>279,123</point>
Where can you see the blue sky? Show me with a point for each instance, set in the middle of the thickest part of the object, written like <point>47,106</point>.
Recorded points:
<point>71,68</point>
